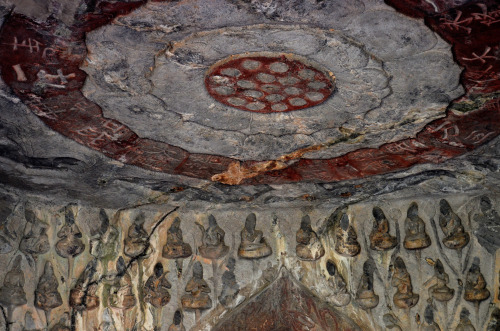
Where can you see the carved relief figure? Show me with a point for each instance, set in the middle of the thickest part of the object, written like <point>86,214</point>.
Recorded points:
<point>340,296</point>
<point>35,240</point>
<point>451,224</point>
<point>106,246</point>
<point>46,295</point>
<point>429,324</point>
<point>176,248</point>
<point>156,287</point>
<point>198,291</point>
<point>494,322</point>
<point>404,297</point>
<point>380,239</point>
<point>121,295</point>
<point>213,246</point>
<point>253,245</point>
<point>63,324</point>
<point>346,243</point>
<point>475,284</point>
<point>489,225</point>
<point>83,295</point>
<point>70,244</point>
<point>438,289</point>
<point>391,322</point>
<point>465,323</point>
<point>230,287</point>
<point>12,293</point>
<point>308,248</point>
<point>137,241</point>
<point>177,322</point>
<point>29,323</point>
<point>365,296</point>
<point>416,237</point>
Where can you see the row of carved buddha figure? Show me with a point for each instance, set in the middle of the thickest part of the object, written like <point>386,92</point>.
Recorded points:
<point>310,248</point>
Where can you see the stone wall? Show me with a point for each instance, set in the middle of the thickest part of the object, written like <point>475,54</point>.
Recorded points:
<point>105,270</point>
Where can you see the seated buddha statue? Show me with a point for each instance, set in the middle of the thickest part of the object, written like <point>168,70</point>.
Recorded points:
<point>47,296</point>
<point>339,295</point>
<point>35,240</point>
<point>156,287</point>
<point>475,284</point>
<point>365,296</point>
<point>429,324</point>
<point>176,248</point>
<point>416,237</point>
<point>380,239</point>
<point>404,297</point>
<point>451,224</point>
<point>137,241</point>
<point>213,246</point>
<point>308,248</point>
<point>438,289</point>
<point>230,287</point>
<point>121,295</point>
<point>12,292</point>
<point>83,295</point>
<point>177,322</point>
<point>63,324</point>
<point>465,323</point>
<point>253,245</point>
<point>346,243</point>
<point>70,244</point>
<point>198,291</point>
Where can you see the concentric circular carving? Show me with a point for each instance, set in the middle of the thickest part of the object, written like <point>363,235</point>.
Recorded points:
<point>269,82</point>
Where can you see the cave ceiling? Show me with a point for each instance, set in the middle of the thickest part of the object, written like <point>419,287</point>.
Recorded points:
<point>114,103</point>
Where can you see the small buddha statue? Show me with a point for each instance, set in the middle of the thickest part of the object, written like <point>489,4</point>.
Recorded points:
<point>465,323</point>
<point>230,287</point>
<point>494,322</point>
<point>198,291</point>
<point>35,240</point>
<point>365,296</point>
<point>213,246</point>
<point>121,295</point>
<point>438,289</point>
<point>83,295</point>
<point>177,322</point>
<point>46,295</point>
<point>429,324</point>
<point>475,284</point>
<point>346,239</point>
<point>29,323</point>
<point>70,244</point>
<point>451,224</point>
<point>253,245</point>
<point>12,293</point>
<point>105,246</point>
<point>176,248</point>
<point>308,248</point>
<point>416,237</point>
<point>489,225</point>
<point>156,287</point>
<point>404,297</point>
<point>340,296</point>
<point>137,242</point>
<point>63,324</point>
<point>391,322</point>
<point>380,239</point>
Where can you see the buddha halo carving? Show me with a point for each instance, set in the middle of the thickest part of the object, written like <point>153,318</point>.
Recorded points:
<point>475,284</point>
<point>177,322</point>
<point>156,287</point>
<point>175,247</point>
<point>346,239</point>
<point>416,236</point>
<point>253,244</point>
<point>47,296</point>
<point>230,287</point>
<point>380,239</point>
<point>121,295</point>
<point>339,295</point>
<point>404,296</point>
<point>309,247</point>
<point>365,295</point>
<point>83,295</point>
<point>35,240</point>
<point>70,244</point>
<point>451,224</point>
<point>213,246</point>
<point>198,297</point>
<point>439,289</point>
<point>136,244</point>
